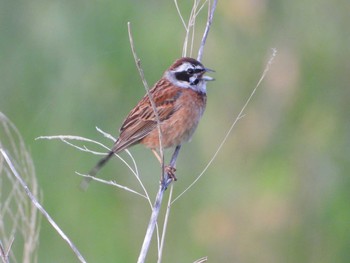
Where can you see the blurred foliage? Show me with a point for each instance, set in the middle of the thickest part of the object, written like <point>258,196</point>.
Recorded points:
<point>279,189</point>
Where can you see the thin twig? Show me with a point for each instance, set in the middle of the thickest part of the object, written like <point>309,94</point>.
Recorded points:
<point>71,137</point>
<point>105,134</point>
<point>197,10</point>
<point>156,207</point>
<point>151,225</point>
<point>166,219</point>
<point>191,27</point>
<point>201,260</point>
<point>12,239</point>
<point>180,15</point>
<point>206,31</point>
<point>113,183</point>
<point>239,116</point>
<point>4,255</point>
<point>65,138</point>
<point>142,75</point>
<point>40,207</point>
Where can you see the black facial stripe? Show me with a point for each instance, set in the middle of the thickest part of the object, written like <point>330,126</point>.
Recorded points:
<point>195,82</point>
<point>183,76</point>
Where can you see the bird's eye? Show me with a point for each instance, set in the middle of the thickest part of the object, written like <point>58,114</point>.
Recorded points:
<point>190,71</point>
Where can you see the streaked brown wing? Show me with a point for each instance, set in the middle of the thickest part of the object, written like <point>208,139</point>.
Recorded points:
<point>141,120</point>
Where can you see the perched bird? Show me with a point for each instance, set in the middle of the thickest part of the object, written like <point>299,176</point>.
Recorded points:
<point>179,98</point>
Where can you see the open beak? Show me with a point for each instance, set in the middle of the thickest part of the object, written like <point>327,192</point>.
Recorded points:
<point>207,78</point>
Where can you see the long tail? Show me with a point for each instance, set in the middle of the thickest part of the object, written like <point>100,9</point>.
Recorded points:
<point>85,183</point>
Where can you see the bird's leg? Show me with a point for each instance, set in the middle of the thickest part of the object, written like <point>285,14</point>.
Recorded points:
<point>156,154</point>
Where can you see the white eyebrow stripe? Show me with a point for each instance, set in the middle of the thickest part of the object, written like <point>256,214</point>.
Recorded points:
<point>183,67</point>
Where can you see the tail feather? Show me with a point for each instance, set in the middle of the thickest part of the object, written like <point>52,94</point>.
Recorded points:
<point>85,183</point>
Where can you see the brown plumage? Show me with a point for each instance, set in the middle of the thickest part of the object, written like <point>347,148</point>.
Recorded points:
<point>180,99</point>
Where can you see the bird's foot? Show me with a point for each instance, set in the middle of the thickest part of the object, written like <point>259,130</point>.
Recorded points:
<point>170,171</point>
<point>169,176</point>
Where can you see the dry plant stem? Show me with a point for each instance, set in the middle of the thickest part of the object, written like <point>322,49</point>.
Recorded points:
<point>201,260</point>
<point>65,138</point>
<point>4,255</point>
<point>190,25</point>
<point>206,31</point>
<point>113,183</point>
<point>156,208</point>
<point>151,225</point>
<point>166,219</point>
<point>40,207</point>
<point>138,65</point>
<point>18,215</point>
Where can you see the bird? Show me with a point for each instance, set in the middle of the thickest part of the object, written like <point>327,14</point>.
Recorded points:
<point>179,98</point>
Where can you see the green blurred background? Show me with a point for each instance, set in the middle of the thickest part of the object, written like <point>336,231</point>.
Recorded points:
<point>279,189</point>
